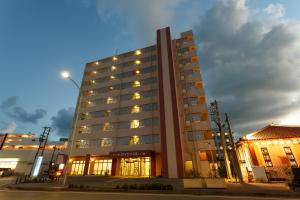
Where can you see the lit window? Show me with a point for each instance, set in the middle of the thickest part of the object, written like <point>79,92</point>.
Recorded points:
<point>112,77</point>
<point>89,103</point>
<point>138,52</point>
<point>134,140</point>
<point>97,63</point>
<point>135,109</point>
<point>94,72</point>
<point>107,127</point>
<point>115,58</point>
<point>113,68</point>
<point>137,62</point>
<point>91,92</point>
<point>108,112</point>
<point>136,84</point>
<point>137,72</point>
<point>105,142</point>
<point>92,82</point>
<point>110,100</point>
<point>136,95</point>
<point>111,87</point>
<point>135,123</point>
<point>82,144</point>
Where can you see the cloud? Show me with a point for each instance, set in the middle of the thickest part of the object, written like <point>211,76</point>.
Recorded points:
<point>62,121</point>
<point>9,102</point>
<point>139,18</point>
<point>10,108</point>
<point>250,64</point>
<point>250,56</point>
<point>8,127</point>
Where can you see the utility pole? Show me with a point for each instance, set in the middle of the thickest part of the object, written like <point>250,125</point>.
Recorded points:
<point>235,160</point>
<point>43,141</point>
<point>216,118</point>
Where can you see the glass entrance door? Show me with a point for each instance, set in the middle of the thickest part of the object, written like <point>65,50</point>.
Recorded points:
<point>139,166</point>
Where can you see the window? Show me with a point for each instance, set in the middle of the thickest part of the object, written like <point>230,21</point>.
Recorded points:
<point>77,167</point>
<point>83,129</point>
<point>137,52</point>
<point>107,127</point>
<point>111,100</point>
<point>82,144</point>
<point>135,123</point>
<point>136,95</point>
<point>134,140</point>
<point>266,157</point>
<point>290,156</point>
<point>135,109</point>
<point>123,140</point>
<point>195,136</point>
<point>105,142</point>
<point>136,84</point>
<point>194,117</point>
<point>191,101</point>
<point>136,72</point>
<point>113,68</point>
<point>137,62</point>
<point>102,167</point>
<point>112,77</point>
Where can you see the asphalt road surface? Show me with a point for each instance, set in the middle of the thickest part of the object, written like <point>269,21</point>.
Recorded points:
<point>44,195</point>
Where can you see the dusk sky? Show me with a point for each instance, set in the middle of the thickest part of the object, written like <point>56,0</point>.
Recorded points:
<point>249,52</point>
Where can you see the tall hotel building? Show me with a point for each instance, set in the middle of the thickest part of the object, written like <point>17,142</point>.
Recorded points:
<point>143,113</point>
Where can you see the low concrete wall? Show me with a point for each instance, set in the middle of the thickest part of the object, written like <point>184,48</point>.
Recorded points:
<point>204,183</point>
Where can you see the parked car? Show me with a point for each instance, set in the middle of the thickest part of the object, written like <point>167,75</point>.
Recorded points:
<point>4,172</point>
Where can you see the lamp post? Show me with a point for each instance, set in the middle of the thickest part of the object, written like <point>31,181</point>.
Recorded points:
<point>66,75</point>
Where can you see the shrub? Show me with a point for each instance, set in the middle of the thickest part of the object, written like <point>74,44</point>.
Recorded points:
<point>125,186</point>
<point>141,187</point>
<point>133,186</point>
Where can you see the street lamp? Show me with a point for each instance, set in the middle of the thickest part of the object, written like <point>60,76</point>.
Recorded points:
<point>66,75</point>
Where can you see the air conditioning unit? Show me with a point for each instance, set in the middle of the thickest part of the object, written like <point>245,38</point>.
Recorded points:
<point>187,123</point>
<point>185,105</point>
<point>182,78</point>
<point>183,91</point>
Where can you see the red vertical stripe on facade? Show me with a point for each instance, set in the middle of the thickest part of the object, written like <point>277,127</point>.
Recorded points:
<point>174,107</point>
<point>87,163</point>
<point>162,109</point>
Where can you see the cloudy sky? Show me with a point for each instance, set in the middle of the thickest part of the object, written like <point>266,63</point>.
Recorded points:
<point>249,52</point>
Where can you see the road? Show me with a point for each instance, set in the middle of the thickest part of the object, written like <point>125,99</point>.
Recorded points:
<point>4,181</point>
<point>44,195</point>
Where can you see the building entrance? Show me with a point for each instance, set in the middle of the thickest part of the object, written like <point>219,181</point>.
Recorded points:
<point>140,166</point>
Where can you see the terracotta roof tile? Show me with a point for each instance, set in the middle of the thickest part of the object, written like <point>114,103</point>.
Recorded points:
<point>273,131</point>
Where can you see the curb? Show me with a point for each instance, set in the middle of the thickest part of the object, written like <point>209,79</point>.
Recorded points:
<point>191,192</point>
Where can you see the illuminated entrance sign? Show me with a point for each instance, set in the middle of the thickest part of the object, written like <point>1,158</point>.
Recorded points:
<point>126,154</point>
<point>37,166</point>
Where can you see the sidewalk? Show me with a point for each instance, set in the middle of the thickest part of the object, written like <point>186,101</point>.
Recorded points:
<point>233,189</point>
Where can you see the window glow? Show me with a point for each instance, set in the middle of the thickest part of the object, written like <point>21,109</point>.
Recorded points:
<point>136,95</point>
<point>134,140</point>
<point>112,77</point>
<point>135,123</point>
<point>137,62</point>
<point>113,68</point>
<point>138,52</point>
<point>94,72</point>
<point>135,109</point>
<point>137,72</point>
<point>136,84</point>
<point>97,63</point>
<point>115,58</point>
